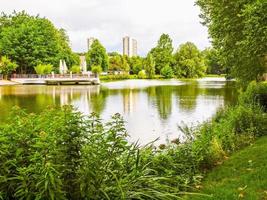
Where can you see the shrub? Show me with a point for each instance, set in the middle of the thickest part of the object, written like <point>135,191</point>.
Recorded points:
<point>96,69</point>
<point>167,72</point>
<point>142,74</point>
<point>59,154</point>
<point>75,69</point>
<point>43,69</point>
<point>6,66</point>
<point>256,94</point>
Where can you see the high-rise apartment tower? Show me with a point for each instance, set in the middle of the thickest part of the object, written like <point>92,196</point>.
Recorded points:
<point>129,46</point>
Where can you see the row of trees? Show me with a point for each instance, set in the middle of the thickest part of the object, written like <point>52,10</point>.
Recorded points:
<point>188,61</point>
<point>31,40</point>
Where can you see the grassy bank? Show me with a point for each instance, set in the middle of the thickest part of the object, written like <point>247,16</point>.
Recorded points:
<point>242,176</point>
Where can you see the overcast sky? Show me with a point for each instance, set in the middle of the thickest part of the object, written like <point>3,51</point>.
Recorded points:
<point>110,20</point>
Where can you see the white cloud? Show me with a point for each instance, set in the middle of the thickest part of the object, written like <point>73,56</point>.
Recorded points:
<point>110,20</point>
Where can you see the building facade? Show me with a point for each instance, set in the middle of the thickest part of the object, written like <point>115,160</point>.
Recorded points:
<point>129,46</point>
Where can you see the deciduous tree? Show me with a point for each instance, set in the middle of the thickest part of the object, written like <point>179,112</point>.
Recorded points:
<point>238,30</point>
<point>162,53</point>
<point>97,55</point>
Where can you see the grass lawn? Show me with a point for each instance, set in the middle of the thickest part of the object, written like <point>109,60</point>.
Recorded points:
<point>242,176</point>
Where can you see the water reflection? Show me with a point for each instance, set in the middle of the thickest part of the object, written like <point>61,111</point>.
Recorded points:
<point>152,109</point>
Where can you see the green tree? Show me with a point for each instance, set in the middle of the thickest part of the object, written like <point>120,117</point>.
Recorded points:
<point>136,64</point>
<point>238,31</point>
<point>149,65</point>
<point>6,66</point>
<point>189,61</point>
<point>97,55</point>
<point>118,62</point>
<point>213,61</point>
<point>162,53</point>
<point>96,70</point>
<point>167,72</point>
<point>115,63</point>
<point>31,40</point>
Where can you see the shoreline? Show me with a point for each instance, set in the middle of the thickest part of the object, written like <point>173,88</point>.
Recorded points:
<point>11,83</point>
<point>7,83</point>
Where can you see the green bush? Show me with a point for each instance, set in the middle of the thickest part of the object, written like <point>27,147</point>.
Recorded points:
<point>59,154</point>
<point>142,74</point>
<point>75,69</point>
<point>255,94</point>
<point>43,69</point>
<point>167,72</point>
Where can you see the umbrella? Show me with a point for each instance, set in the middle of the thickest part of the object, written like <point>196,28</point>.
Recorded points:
<point>61,67</point>
<point>65,68</point>
<point>84,67</point>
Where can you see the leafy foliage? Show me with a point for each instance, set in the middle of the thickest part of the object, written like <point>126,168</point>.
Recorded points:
<point>189,61</point>
<point>96,69</point>
<point>97,55</point>
<point>43,69</point>
<point>213,61</point>
<point>162,53</point>
<point>149,65</point>
<point>136,64</point>
<point>238,32</point>
<point>142,74</point>
<point>31,40</point>
<point>6,66</point>
<point>166,72</point>
<point>76,69</point>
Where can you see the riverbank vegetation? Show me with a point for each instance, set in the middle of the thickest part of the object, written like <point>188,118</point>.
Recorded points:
<point>61,154</point>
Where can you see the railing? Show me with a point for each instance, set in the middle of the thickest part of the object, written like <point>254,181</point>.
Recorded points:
<point>69,76</point>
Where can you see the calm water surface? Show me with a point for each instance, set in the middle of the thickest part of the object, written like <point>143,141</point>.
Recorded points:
<point>151,108</point>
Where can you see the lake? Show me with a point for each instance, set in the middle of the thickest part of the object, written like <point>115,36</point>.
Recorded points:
<point>151,108</point>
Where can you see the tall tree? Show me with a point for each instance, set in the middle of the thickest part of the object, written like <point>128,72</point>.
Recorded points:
<point>238,30</point>
<point>189,61</point>
<point>136,64</point>
<point>149,65</point>
<point>97,55</point>
<point>31,40</point>
<point>162,53</point>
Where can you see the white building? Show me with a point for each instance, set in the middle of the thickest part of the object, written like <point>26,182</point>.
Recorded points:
<point>129,46</point>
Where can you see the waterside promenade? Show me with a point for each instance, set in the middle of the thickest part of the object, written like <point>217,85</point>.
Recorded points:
<point>57,79</point>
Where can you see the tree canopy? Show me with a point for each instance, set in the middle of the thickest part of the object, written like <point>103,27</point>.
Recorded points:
<point>32,40</point>
<point>162,53</point>
<point>149,65</point>
<point>239,31</point>
<point>189,62</point>
<point>97,56</point>
<point>213,61</point>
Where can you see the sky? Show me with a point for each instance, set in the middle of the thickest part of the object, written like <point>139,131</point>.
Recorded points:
<point>111,20</point>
